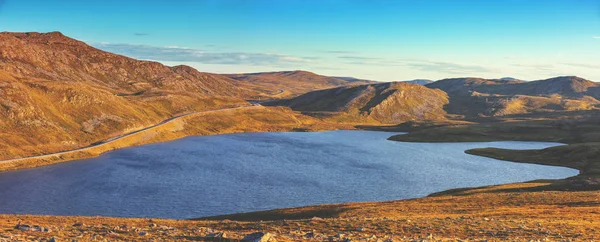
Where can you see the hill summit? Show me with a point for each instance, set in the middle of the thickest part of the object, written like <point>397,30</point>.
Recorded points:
<point>392,102</point>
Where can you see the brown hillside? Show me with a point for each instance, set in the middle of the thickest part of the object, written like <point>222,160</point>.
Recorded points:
<point>53,56</point>
<point>385,102</point>
<point>290,83</point>
<point>58,93</point>
<point>476,97</point>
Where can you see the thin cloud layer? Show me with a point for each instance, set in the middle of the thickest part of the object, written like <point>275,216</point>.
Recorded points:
<point>417,64</point>
<point>583,65</point>
<point>446,67</point>
<point>537,67</point>
<point>359,58</point>
<point>338,51</point>
<point>184,54</point>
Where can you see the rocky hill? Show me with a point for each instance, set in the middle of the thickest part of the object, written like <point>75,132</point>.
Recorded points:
<point>474,97</point>
<point>58,93</point>
<point>53,56</point>
<point>394,102</point>
<point>290,83</point>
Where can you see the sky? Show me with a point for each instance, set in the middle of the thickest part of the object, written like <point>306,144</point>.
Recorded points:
<point>382,40</point>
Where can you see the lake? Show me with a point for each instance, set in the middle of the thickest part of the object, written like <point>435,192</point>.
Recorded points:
<point>222,174</point>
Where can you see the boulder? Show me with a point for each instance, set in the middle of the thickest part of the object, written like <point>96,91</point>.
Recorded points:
<point>219,236</point>
<point>259,237</point>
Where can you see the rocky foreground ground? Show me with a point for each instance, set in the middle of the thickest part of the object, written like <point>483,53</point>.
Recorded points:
<point>496,213</point>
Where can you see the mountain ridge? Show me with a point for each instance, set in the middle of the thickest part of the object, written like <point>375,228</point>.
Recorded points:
<point>476,97</point>
<point>289,83</point>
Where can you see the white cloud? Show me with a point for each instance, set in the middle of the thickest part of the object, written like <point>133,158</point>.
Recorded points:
<point>176,47</point>
<point>185,54</point>
<point>583,65</point>
<point>596,37</point>
<point>446,67</point>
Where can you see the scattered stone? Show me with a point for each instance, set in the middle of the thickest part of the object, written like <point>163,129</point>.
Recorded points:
<point>216,236</point>
<point>33,228</point>
<point>77,224</point>
<point>37,228</point>
<point>143,233</point>
<point>259,237</point>
<point>152,225</point>
<point>23,227</point>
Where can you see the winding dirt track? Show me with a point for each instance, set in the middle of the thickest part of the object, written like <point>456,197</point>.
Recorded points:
<point>117,138</point>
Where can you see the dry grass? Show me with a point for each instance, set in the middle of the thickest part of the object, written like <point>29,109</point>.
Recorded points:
<point>483,214</point>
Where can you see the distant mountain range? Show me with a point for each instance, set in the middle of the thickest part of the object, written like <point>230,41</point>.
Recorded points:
<point>352,79</point>
<point>290,83</point>
<point>419,81</point>
<point>475,97</point>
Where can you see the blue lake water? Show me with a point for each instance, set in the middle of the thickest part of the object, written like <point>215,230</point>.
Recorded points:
<point>213,175</point>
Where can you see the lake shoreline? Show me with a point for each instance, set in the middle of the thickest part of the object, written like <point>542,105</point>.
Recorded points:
<point>177,128</point>
<point>298,169</point>
<point>544,201</point>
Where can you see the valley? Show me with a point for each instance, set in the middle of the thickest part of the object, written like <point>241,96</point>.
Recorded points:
<point>63,100</point>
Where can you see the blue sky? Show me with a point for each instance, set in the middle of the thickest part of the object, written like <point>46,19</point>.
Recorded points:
<point>372,39</point>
